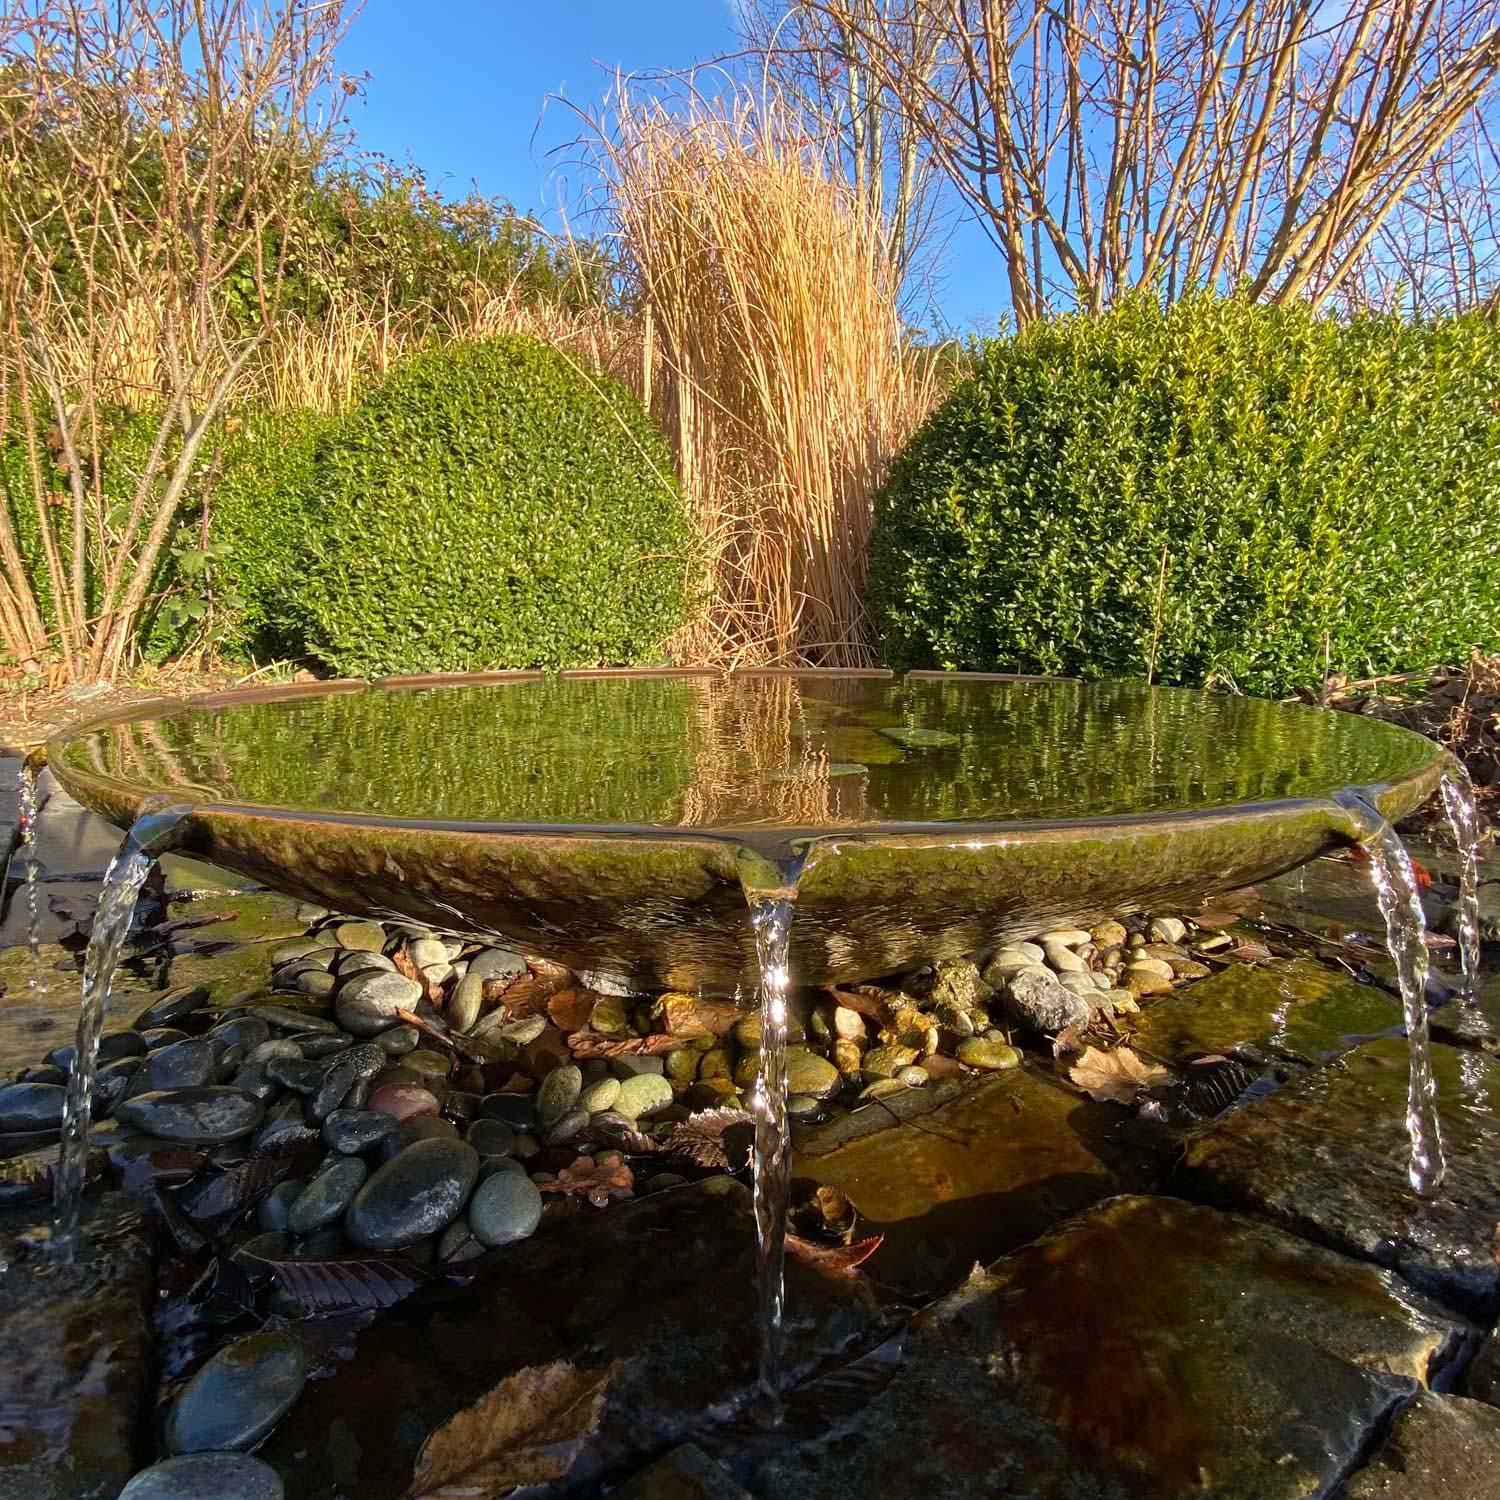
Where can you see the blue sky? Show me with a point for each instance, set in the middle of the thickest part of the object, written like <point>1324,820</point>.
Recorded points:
<point>461,88</point>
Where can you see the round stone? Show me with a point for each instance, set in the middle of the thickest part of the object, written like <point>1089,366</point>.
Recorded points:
<point>327,1196</point>
<point>428,1064</point>
<point>403,1101</point>
<point>643,1095</point>
<point>272,1210</point>
<point>239,1395</point>
<point>565,1128</point>
<point>496,963</point>
<point>808,1073</point>
<point>559,1092</point>
<point>506,1207</point>
<point>421,1128</point>
<point>112,1044</point>
<point>367,1004</point>
<point>491,1138</point>
<point>361,937</point>
<point>354,1130</point>
<point>398,1041</point>
<point>517,1110</point>
<point>419,1192</point>
<point>32,1106</point>
<point>347,965</point>
<point>992,1056</point>
<point>600,1095</point>
<point>206,1476</point>
<point>465,1003</point>
<point>278,1047</point>
<point>428,950</point>
<point>194,1117</point>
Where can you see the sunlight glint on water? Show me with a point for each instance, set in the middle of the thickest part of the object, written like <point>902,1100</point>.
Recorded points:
<point>123,880</point>
<point>1463,817</point>
<point>27,820</point>
<point>1406,935</point>
<point>772,920</point>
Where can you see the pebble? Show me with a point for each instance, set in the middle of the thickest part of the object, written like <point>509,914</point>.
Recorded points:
<point>284,1124</point>
<point>361,937</point>
<point>297,1073</point>
<point>559,1092</point>
<point>567,1127</point>
<point>886,1062</point>
<point>112,1082</point>
<point>644,1095</point>
<point>1110,934</point>
<point>354,1130</point>
<point>496,963</point>
<point>309,913</point>
<point>517,1110</point>
<point>239,1395</point>
<point>206,1476</point>
<point>277,1047</point>
<point>914,1077</point>
<point>491,1138</point>
<point>427,1064</point>
<point>32,1106</point>
<point>1066,937</point>
<point>419,1192</point>
<point>464,1004</point>
<point>1064,960</point>
<point>600,1095</point>
<point>295,1018</point>
<point>1157,966</point>
<point>348,1068</point>
<point>1167,929</point>
<point>403,1101</point>
<point>112,1044</point>
<point>1036,997</point>
<point>809,1073</point>
<point>323,1043</point>
<point>173,1008</point>
<point>993,1057</point>
<point>297,948</point>
<point>347,965</point>
<point>327,1196</point>
<point>458,1243</point>
<point>506,1207</point>
<point>317,983</point>
<point>272,1210</point>
<point>630,1066</point>
<point>194,1116</point>
<point>422,1128</point>
<point>162,1036</point>
<point>368,1003</point>
<point>1140,980</point>
<point>398,1041</point>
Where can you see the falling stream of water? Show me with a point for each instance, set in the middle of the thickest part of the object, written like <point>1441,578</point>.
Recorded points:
<point>1463,818</point>
<point>123,880</point>
<point>1406,935</point>
<point>27,819</point>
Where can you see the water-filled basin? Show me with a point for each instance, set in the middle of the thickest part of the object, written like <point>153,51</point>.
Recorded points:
<point>611,820</point>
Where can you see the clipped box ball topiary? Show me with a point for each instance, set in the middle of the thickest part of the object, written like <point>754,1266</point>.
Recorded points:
<point>492,506</point>
<point>1219,492</point>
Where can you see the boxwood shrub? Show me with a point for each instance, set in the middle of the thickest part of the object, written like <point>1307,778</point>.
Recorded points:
<point>487,506</point>
<point>1242,495</point>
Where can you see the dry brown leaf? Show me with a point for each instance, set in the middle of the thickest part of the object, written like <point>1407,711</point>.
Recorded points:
<point>587,1044</point>
<point>527,1430</point>
<point>843,1259</point>
<point>699,1139</point>
<point>1067,1041</point>
<point>1117,1075</point>
<point>594,1180</point>
<point>870,1002</point>
<point>571,1008</point>
<point>405,964</point>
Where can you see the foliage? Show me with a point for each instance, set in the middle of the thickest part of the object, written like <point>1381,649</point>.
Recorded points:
<point>491,506</point>
<point>260,511</point>
<point>1218,492</point>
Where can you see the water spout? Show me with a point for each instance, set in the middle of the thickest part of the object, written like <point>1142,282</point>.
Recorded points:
<point>1463,818</point>
<point>1406,935</point>
<point>29,808</point>
<point>150,835</point>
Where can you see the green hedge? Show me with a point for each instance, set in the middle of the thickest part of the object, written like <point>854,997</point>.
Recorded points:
<point>1317,494</point>
<point>491,506</point>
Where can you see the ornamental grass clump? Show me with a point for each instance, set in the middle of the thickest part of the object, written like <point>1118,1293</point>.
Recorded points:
<point>492,505</point>
<point>1214,493</point>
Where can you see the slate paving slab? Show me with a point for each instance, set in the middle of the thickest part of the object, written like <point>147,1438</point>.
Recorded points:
<point>1148,1348</point>
<point>1326,1157</point>
<point>76,1378</point>
<point>964,1171</point>
<point>1439,1448</point>
<point>661,1286</point>
<point>1284,1006</point>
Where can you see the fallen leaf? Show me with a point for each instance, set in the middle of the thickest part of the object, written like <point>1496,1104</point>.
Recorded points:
<point>1117,1075</point>
<point>870,1002</point>
<point>527,1430</point>
<point>842,1259</point>
<point>596,1181</point>
<point>406,964</point>
<point>587,1044</point>
<point>699,1139</point>
<point>570,1009</point>
<point>1247,952</point>
<point>341,1284</point>
<point>1067,1041</point>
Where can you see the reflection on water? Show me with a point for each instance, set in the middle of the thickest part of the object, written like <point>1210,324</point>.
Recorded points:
<point>708,752</point>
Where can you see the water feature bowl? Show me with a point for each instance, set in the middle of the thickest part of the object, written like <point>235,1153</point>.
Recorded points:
<point>615,821</point>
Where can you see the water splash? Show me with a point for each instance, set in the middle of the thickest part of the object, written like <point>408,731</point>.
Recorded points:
<point>127,872</point>
<point>771,919</point>
<point>1406,935</point>
<point>29,808</point>
<point>1463,818</point>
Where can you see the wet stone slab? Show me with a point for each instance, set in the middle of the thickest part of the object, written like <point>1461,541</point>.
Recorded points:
<point>1326,1157</point>
<point>1283,1007</point>
<point>1149,1348</point>
<point>663,1284</point>
<point>75,1379</point>
<point>1439,1448</point>
<point>964,1171</point>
